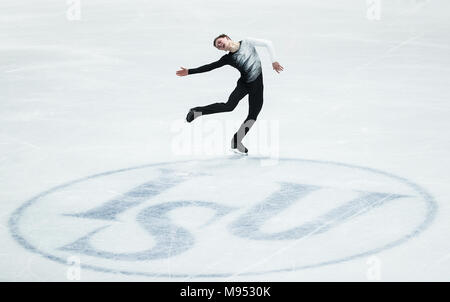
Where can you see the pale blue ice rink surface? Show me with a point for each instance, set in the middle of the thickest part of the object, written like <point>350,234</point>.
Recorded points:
<point>91,127</point>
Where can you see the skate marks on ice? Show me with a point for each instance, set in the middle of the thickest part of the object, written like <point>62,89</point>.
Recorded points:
<point>223,217</point>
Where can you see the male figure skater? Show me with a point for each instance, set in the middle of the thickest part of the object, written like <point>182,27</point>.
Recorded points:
<point>243,56</point>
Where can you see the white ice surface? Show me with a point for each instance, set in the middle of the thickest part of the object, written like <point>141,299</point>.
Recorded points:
<point>99,94</point>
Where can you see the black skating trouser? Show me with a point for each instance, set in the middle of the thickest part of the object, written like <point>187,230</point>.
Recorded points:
<point>254,90</point>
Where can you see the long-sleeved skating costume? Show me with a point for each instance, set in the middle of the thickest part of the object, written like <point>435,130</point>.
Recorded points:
<point>245,59</point>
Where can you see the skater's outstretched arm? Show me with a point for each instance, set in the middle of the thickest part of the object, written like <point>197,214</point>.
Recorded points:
<point>208,67</point>
<point>269,46</point>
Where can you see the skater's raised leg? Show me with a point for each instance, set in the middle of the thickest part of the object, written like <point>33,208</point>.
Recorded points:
<point>238,93</point>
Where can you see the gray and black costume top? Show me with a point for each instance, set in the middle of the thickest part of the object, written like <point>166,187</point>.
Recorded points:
<point>245,59</point>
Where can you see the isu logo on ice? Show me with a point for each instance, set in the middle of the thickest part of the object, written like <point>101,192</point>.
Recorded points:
<point>223,217</point>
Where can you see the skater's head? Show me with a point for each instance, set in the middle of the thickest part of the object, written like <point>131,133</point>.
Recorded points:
<point>222,42</point>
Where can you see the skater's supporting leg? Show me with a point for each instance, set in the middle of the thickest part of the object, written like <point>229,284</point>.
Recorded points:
<point>255,102</point>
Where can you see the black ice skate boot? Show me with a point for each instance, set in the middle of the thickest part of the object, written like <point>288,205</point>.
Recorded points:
<point>238,147</point>
<point>192,115</point>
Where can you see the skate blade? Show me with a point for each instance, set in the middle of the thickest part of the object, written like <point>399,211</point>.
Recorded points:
<point>236,151</point>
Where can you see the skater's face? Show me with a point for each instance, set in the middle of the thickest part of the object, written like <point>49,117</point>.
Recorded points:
<point>222,43</point>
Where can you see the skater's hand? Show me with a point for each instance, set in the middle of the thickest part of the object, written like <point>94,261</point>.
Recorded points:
<point>182,72</point>
<point>277,67</point>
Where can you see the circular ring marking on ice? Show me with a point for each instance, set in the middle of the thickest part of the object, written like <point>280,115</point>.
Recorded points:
<point>431,209</point>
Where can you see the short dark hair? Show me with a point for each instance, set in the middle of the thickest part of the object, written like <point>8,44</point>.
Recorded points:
<point>221,36</point>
